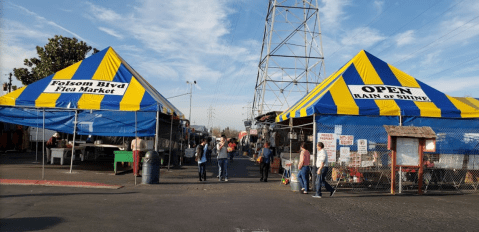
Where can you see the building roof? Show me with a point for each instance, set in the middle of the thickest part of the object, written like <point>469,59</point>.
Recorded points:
<point>410,131</point>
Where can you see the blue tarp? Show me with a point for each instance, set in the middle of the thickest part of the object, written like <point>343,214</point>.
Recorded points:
<point>455,136</point>
<point>98,122</point>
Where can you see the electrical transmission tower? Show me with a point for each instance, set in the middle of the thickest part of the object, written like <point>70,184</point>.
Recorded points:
<point>210,117</point>
<point>292,61</point>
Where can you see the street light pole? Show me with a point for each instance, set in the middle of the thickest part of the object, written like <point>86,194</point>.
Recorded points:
<point>189,117</point>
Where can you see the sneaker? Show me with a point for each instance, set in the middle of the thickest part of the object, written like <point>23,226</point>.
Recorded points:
<point>332,193</point>
<point>226,179</point>
<point>265,180</point>
<point>305,192</point>
<point>261,180</point>
<point>316,196</point>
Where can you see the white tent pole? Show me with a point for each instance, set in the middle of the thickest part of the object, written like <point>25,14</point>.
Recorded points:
<point>171,135</point>
<point>36,139</point>
<point>74,133</point>
<point>43,150</point>
<point>313,165</point>
<point>136,142</point>
<point>157,129</point>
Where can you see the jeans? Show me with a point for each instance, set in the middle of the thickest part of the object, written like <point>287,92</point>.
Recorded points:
<point>202,170</point>
<point>264,170</point>
<point>223,168</point>
<point>303,177</point>
<point>231,155</point>
<point>321,179</point>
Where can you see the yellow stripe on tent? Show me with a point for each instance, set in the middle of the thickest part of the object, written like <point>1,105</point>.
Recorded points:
<point>47,100</point>
<point>366,70</point>
<point>108,67</point>
<point>474,102</point>
<point>388,107</point>
<point>405,79</point>
<point>466,110</point>
<point>342,98</point>
<point>9,99</point>
<point>90,101</point>
<point>133,96</point>
<point>106,71</point>
<point>428,109</point>
<point>68,72</point>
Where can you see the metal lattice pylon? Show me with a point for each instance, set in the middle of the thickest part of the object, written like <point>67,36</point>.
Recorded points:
<point>292,61</point>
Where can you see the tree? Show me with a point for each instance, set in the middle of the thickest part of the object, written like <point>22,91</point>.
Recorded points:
<point>59,53</point>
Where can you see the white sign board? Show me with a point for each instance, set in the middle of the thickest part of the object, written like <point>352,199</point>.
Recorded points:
<point>344,154</point>
<point>362,146</point>
<point>388,92</point>
<point>86,86</point>
<point>407,152</point>
<point>346,140</point>
<point>329,141</point>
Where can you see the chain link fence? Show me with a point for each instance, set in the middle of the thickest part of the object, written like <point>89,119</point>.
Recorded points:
<point>454,167</point>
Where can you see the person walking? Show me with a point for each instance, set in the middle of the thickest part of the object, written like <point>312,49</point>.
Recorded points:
<point>266,153</point>
<point>303,168</point>
<point>322,165</point>
<point>201,151</point>
<point>222,160</point>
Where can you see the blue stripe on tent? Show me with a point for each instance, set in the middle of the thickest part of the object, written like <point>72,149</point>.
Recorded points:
<point>32,91</point>
<point>408,108</point>
<point>85,71</point>
<point>383,70</point>
<point>366,106</point>
<point>326,104</point>
<point>448,110</point>
<point>112,102</point>
<point>148,103</point>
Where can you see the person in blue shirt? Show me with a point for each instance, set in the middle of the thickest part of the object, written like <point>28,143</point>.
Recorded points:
<point>201,158</point>
<point>266,153</point>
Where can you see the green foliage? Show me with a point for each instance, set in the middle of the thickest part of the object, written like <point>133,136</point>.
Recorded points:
<point>59,53</point>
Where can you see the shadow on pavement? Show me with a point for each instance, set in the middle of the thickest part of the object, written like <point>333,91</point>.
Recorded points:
<point>29,223</point>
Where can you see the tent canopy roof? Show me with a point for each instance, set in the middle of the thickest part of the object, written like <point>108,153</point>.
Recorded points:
<point>367,85</point>
<point>103,81</point>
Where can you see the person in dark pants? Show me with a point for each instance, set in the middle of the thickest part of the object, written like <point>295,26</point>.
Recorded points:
<point>201,151</point>
<point>266,153</point>
<point>322,165</point>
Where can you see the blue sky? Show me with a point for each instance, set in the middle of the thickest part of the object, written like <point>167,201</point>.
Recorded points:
<point>218,43</point>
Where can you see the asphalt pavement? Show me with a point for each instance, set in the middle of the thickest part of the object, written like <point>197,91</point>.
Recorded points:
<point>182,203</point>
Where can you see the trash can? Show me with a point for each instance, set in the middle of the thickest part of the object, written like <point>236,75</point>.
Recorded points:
<point>151,168</point>
<point>295,186</point>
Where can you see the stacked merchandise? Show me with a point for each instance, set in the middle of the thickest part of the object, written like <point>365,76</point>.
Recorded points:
<point>275,165</point>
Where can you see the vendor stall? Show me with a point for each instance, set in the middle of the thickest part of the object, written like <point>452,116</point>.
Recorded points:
<point>101,95</point>
<point>350,107</point>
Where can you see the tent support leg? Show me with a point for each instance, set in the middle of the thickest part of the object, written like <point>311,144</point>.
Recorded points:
<point>313,165</point>
<point>136,141</point>
<point>157,129</point>
<point>74,134</point>
<point>43,146</point>
<point>171,137</point>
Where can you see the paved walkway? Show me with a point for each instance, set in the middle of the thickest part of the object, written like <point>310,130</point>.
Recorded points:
<point>26,169</point>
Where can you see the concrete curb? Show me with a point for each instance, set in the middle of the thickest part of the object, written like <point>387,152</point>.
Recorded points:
<point>76,184</point>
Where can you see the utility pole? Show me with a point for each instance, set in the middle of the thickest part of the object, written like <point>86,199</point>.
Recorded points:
<point>189,117</point>
<point>10,83</point>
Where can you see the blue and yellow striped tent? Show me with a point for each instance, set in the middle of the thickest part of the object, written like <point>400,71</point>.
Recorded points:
<point>103,83</point>
<point>369,86</point>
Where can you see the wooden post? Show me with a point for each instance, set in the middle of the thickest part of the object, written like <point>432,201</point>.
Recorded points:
<point>421,166</point>
<point>393,165</point>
